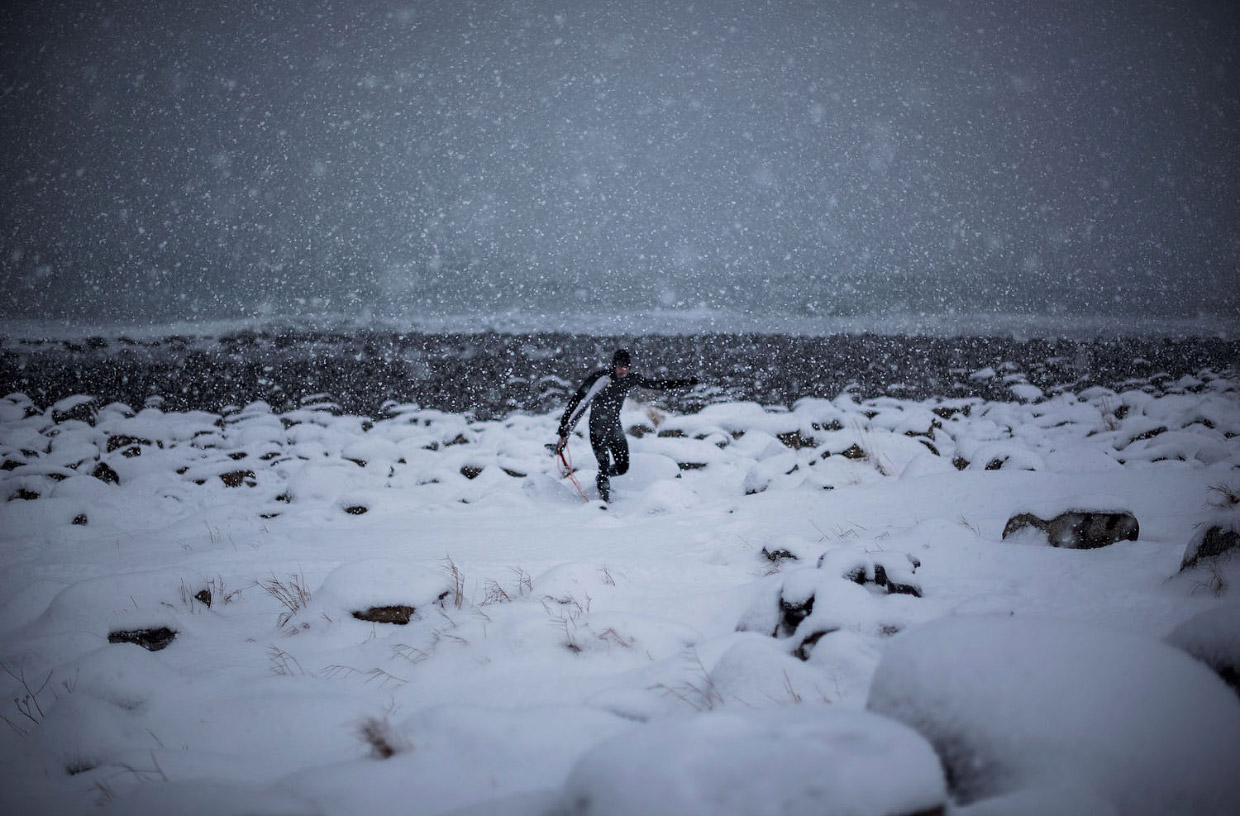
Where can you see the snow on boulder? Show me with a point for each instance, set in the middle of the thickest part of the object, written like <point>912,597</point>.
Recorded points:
<point>1013,705</point>
<point>148,608</point>
<point>1025,392</point>
<point>850,590</point>
<point>321,481</point>
<point>1005,455</point>
<point>755,672</point>
<point>80,407</point>
<point>1213,637</point>
<point>667,496</point>
<point>379,591</point>
<point>1217,539</point>
<point>372,450</point>
<point>648,469</point>
<point>791,761</point>
<point>926,464</point>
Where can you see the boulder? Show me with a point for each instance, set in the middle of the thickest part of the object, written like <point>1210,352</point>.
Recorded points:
<point>1079,529</point>
<point>399,614</point>
<point>150,639</point>
<point>789,760</point>
<point>1013,704</point>
<point>1213,637</point>
<point>81,408</point>
<point>1214,541</point>
<point>104,473</point>
<point>237,478</point>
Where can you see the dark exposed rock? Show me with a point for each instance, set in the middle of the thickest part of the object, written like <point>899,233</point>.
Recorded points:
<point>80,519</point>
<point>83,411</point>
<point>237,478</point>
<point>357,510</point>
<point>791,613</point>
<point>471,471</point>
<point>203,596</point>
<point>795,440</point>
<point>853,451</point>
<point>895,587</point>
<point>150,639</point>
<point>118,441</point>
<point>778,555</point>
<point>1150,434</point>
<point>399,615</point>
<point>877,573</point>
<point>803,649</point>
<point>104,473</point>
<point>1079,529</point>
<point>1214,542</point>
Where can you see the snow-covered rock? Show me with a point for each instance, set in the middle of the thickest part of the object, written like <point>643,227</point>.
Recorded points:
<point>1012,704</point>
<point>1213,637</point>
<point>795,760</point>
<point>1217,539</point>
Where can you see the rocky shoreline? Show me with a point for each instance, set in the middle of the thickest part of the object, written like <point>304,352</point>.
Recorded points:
<point>492,374</point>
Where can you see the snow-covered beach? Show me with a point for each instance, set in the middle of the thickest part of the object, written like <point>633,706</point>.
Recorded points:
<point>817,606</point>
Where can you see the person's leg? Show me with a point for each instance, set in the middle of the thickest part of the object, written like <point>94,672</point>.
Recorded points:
<point>602,452</point>
<point>619,447</point>
<point>612,453</point>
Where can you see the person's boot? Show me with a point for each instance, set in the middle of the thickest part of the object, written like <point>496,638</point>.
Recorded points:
<point>604,487</point>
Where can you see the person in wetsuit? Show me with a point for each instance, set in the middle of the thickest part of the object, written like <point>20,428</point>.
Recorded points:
<point>603,393</point>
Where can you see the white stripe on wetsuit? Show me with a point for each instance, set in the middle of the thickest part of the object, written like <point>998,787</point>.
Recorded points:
<point>598,386</point>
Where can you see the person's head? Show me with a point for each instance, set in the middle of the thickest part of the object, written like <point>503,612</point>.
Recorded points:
<point>620,362</point>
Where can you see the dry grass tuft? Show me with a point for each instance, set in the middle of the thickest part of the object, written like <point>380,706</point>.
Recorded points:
<point>293,595</point>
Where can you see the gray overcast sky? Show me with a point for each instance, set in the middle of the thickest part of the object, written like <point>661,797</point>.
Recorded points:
<point>167,160</point>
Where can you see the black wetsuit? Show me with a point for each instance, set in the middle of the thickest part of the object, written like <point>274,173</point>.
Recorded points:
<point>604,395</point>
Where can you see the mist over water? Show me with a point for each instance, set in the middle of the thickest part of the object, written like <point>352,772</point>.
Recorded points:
<point>783,163</point>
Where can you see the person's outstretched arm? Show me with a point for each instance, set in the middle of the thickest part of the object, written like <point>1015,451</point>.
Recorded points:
<point>664,384</point>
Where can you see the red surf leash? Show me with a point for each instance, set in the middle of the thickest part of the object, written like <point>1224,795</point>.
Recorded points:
<point>565,464</point>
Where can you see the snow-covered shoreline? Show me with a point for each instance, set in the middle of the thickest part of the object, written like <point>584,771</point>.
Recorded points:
<point>492,375</point>
<point>560,658</point>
